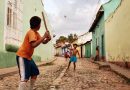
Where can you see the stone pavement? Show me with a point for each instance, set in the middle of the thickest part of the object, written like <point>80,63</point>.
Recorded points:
<point>8,71</point>
<point>48,73</point>
<point>125,73</point>
<point>121,71</point>
<point>89,77</point>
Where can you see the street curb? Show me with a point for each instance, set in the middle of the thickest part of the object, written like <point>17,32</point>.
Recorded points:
<point>102,65</point>
<point>16,71</point>
<point>123,75</point>
<point>8,74</point>
<point>115,68</point>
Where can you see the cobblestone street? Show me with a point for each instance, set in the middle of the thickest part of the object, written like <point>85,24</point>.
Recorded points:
<point>89,77</point>
<point>64,45</point>
<point>48,74</point>
<point>86,77</point>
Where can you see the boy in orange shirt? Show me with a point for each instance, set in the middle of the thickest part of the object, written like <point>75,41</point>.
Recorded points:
<point>27,67</point>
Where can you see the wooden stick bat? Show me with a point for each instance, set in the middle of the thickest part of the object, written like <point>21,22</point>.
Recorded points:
<point>44,21</point>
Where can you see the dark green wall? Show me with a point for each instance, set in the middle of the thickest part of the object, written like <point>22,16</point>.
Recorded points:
<point>8,59</point>
<point>88,50</point>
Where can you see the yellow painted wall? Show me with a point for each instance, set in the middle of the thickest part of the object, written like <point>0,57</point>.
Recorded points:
<point>59,51</point>
<point>79,49</point>
<point>117,33</point>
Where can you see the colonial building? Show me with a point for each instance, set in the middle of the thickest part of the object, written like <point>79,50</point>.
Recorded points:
<point>14,23</point>
<point>11,26</point>
<point>97,30</point>
<point>98,27</point>
<point>84,42</point>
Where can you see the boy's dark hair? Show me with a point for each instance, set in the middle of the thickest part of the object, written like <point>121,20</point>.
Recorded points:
<point>97,48</point>
<point>75,45</point>
<point>35,22</point>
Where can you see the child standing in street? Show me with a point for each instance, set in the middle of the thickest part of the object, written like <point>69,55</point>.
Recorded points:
<point>27,67</point>
<point>73,57</point>
<point>97,57</point>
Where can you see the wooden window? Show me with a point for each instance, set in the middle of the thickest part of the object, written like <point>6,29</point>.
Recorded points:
<point>8,11</point>
<point>9,16</point>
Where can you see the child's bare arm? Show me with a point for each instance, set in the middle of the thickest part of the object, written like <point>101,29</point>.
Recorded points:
<point>39,41</point>
<point>78,53</point>
<point>70,48</point>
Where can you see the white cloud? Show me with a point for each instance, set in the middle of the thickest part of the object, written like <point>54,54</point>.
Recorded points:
<point>78,13</point>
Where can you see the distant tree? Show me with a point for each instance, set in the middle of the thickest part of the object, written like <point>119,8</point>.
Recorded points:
<point>75,36</point>
<point>61,39</point>
<point>71,37</point>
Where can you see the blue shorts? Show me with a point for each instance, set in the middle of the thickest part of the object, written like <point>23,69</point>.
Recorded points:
<point>73,59</point>
<point>27,68</point>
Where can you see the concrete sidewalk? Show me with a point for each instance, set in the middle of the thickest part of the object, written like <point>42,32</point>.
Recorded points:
<point>125,73</point>
<point>13,70</point>
<point>121,71</point>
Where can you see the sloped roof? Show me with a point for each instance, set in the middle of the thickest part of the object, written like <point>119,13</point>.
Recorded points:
<point>96,20</point>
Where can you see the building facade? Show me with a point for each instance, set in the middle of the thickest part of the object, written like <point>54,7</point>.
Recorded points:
<point>11,22</point>
<point>117,35</point>
<point>14,23</point>
<point>97,30</point>
<point>98,27</point>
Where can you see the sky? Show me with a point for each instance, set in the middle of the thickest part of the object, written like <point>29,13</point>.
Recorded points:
<point>71,16</point>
